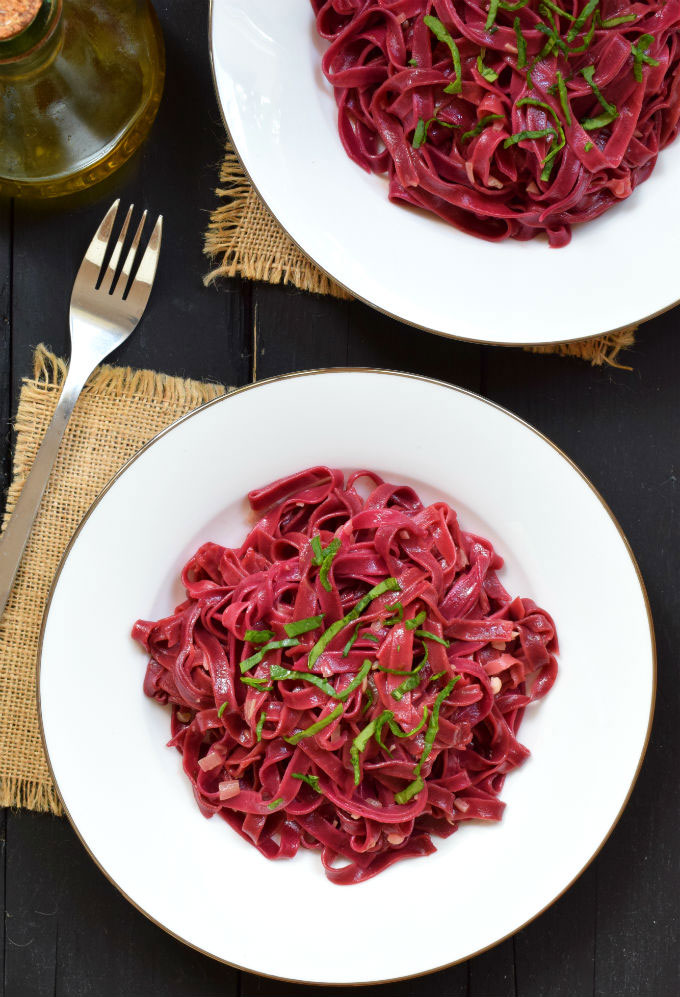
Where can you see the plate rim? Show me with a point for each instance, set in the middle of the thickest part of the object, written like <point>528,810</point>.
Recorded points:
<point>384,311</point>
<point>311,373</point>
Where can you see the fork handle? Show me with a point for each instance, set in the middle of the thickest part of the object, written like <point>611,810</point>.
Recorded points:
<point>17,532</point>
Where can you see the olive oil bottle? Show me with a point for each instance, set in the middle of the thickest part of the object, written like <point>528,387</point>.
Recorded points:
<point>80,84</point>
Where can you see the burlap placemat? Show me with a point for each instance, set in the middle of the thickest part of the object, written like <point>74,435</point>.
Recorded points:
<point>119,410</point>
<point>244,239</point>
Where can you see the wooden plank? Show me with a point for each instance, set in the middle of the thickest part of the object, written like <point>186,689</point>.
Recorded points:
<point>492,974</point>
<point>296,331</point>
<point>448,983</point>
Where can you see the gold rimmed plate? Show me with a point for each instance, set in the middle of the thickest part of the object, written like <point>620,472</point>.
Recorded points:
<point>124,790</point>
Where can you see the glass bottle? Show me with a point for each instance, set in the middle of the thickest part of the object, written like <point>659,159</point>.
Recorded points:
<point>80,84</point>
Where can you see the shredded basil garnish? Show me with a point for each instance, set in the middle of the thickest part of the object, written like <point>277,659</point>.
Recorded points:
<point>259,684</point>
<point>260,725</point>
<point>613,22</point>
<point>358,745</point>
<point>489,75</point>
<point>438,676</point>
<point>318,551</point>
<point>259,636</point>
<point>413,62</point>
<point>481,125</point>
<point>303,626</point>
<point>564,101</point>
<point>427,635</point>
<point>416,621</point>
<point>388,585</point>
<point>522,136</point>
<point>311,780</point>
<point>422,128</point>
<point>599,122</point>
<point>442,35</point>
<point>521,44</point>
<point>315,728</point>
<point>273,645</point>
<point>557,10</point>
<point>370,699</point>
<point>275,803</point>
<point>328,556</point>
<point>433,725</point>
<point>280,674</point>
<point>581,19</point>
<point>398,616</point>
<point>549,159</point>
<point>406,794</point>
<point>497,5</point>
<point>412,682</point>
<point>587,147</point>
<point>588,73</point>
<point>639,51</point>
<point>379,724</point>
<point>222,708</point>
<point>355,683</point>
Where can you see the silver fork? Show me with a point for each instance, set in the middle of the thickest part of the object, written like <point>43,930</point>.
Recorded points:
<point>101,318</point>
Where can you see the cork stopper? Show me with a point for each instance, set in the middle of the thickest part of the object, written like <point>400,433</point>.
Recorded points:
<point>16,15</point>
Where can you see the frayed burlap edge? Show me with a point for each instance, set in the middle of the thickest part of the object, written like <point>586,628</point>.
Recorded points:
<point>245,240</point>
<point>49,372</point>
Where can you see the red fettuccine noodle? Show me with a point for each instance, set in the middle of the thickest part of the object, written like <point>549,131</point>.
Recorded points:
<point>593,85</point>
<point>399,724</point>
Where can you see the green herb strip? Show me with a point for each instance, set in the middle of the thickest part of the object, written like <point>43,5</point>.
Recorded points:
<point>303,626</point>
<point>315,728</point>
<point>588,73</point>
<point>413,62</point>
<point>222,708</point>
<point>550,158</point>
<point>275,803</point>
<point>422,128</point>
<point>488,74</point>
<point>260,725</point>
<point>523,136</point>
<point>356,681</point>
<point>564,99</point>
<point>416,621</point>
<point>587,147</point>
<point>497,5</point>
<point>329,555</point>
<point>389,585</point>
<point>318,551</point>
<point>398,616</point>
<point>370,699</point>
<point>427,635</point>
<point>639,51</point>
<point>430,735</point>
<point>280,674</point>
<point>273,645</point>
<point>599,122</point>
<point>521,44</point>
<point>311,780</point>
<point>433,725</point>
<point>412,682</point>
<point>259,684</point>
<point>557,10</point>
<point>613,22</point>
<point>358,745</point>
<point>581,19</point>
<point>258,636</point>
<point>442,35</point>
<point>481,125</point>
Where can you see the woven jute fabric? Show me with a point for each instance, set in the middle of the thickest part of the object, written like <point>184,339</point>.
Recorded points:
<point>118,412</point>
<point>244,239</point>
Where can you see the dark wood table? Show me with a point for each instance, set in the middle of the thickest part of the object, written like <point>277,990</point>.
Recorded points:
<point>66,930</point>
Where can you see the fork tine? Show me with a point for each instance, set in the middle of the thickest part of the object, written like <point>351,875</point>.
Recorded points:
<point>91,266</point>
<point>140,290</point>
<point>124,277</point>
<point>115,255</point>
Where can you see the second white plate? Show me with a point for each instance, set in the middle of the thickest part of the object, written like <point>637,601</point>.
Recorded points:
<point>280,111</point>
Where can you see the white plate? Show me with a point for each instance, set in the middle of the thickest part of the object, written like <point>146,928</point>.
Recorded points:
<point>125,791</point>
<point>281,115</point>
